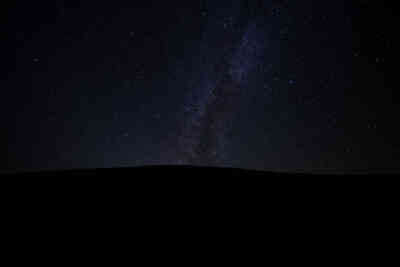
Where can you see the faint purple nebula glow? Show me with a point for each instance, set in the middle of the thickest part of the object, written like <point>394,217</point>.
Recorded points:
<point>215,102</point>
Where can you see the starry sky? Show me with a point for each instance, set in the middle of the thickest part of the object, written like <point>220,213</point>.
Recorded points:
<point>267,85</point>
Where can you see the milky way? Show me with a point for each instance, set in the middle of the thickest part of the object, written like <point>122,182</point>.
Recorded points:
<point>269,85</point>
<point>204,139</point>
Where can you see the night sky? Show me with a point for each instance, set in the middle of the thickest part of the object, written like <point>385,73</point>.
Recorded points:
<point>267,85</point>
